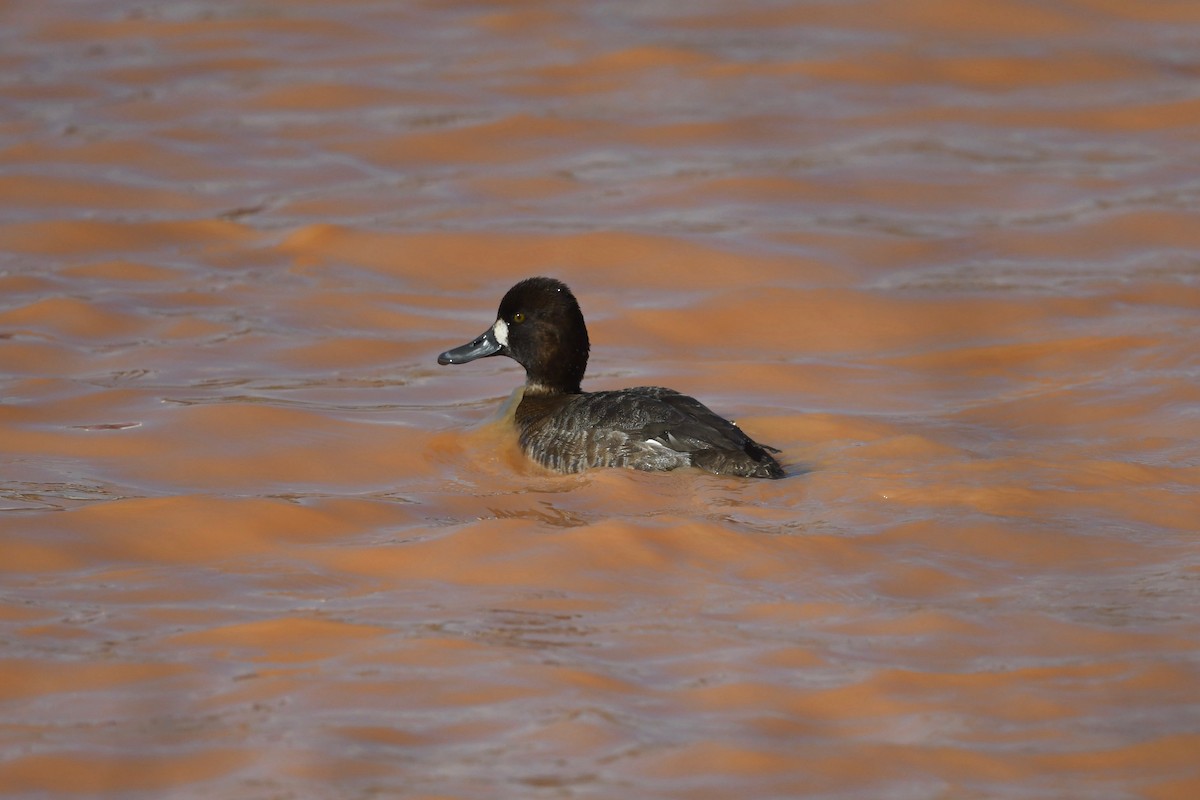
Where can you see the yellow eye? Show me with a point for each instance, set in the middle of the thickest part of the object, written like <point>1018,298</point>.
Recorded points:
<point>519,316</point>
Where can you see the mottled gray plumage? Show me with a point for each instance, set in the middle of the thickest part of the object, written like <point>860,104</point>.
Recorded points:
<point>646,428</point>
<point>539,324</point>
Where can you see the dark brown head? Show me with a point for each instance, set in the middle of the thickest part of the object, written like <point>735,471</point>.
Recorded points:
<point>540,326</point>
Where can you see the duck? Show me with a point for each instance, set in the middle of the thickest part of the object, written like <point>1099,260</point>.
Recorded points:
<point>566,430</point>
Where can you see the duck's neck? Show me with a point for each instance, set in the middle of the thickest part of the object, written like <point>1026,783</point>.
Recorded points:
<point>557,374</point>
<point>534,386</point>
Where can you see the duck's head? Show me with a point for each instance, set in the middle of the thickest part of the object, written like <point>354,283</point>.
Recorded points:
<point>539,325</point>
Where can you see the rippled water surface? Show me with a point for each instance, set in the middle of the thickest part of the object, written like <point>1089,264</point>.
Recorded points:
<point>255,543</point>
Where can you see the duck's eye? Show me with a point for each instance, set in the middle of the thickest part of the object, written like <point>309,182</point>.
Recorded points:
<point>519,316</point>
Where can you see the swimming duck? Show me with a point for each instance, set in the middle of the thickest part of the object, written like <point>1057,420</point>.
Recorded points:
<point>565,429</point>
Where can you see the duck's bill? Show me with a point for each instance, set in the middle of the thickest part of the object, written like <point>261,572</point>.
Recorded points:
<point>484,345</point>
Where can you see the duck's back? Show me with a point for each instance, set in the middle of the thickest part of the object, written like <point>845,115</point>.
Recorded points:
<point>646,428</point>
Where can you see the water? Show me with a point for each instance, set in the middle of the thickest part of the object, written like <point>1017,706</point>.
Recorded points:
<point>256,543</point>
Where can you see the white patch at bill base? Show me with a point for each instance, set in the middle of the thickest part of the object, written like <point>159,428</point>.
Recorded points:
<point>500,331</point>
